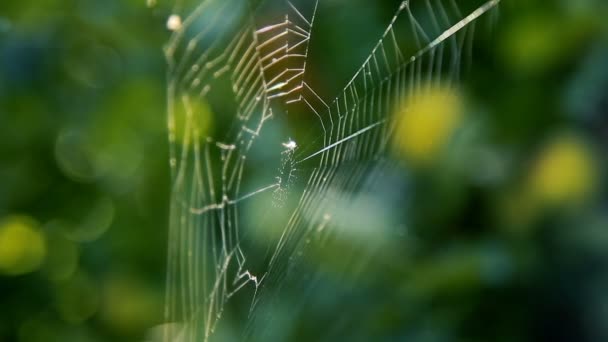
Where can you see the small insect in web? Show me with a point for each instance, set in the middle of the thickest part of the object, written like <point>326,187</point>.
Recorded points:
<point>290,146</point>
<point>286,176</point>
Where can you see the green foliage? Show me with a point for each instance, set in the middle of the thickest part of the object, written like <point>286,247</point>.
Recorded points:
<point>509,234</point>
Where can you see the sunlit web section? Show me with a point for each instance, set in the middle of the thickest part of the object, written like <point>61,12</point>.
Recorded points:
<point>235,66</point>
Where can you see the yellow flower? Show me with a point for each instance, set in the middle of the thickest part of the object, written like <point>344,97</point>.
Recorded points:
<point>426,123</point>
<point>22,245</point>
<point>564,173</point>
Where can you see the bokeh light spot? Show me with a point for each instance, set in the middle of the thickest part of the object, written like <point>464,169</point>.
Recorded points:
<point>191,121</point>
<point>426,123</point>
<point>22,245</point>
<point>73,157</point>
<point>94,223</point>
<point>62,254</point>
<point>564,173</point>
<point>77,299</point>
<point>130,305</point>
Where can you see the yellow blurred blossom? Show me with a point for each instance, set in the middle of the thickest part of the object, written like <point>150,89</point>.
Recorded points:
<point>22,245</point>
<point>564,173</point>
<point>426,123</point>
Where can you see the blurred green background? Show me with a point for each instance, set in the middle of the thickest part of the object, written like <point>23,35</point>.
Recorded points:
<point>84,176</point>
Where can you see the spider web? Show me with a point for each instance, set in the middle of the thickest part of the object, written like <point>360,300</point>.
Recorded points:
<point>264,242</point>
